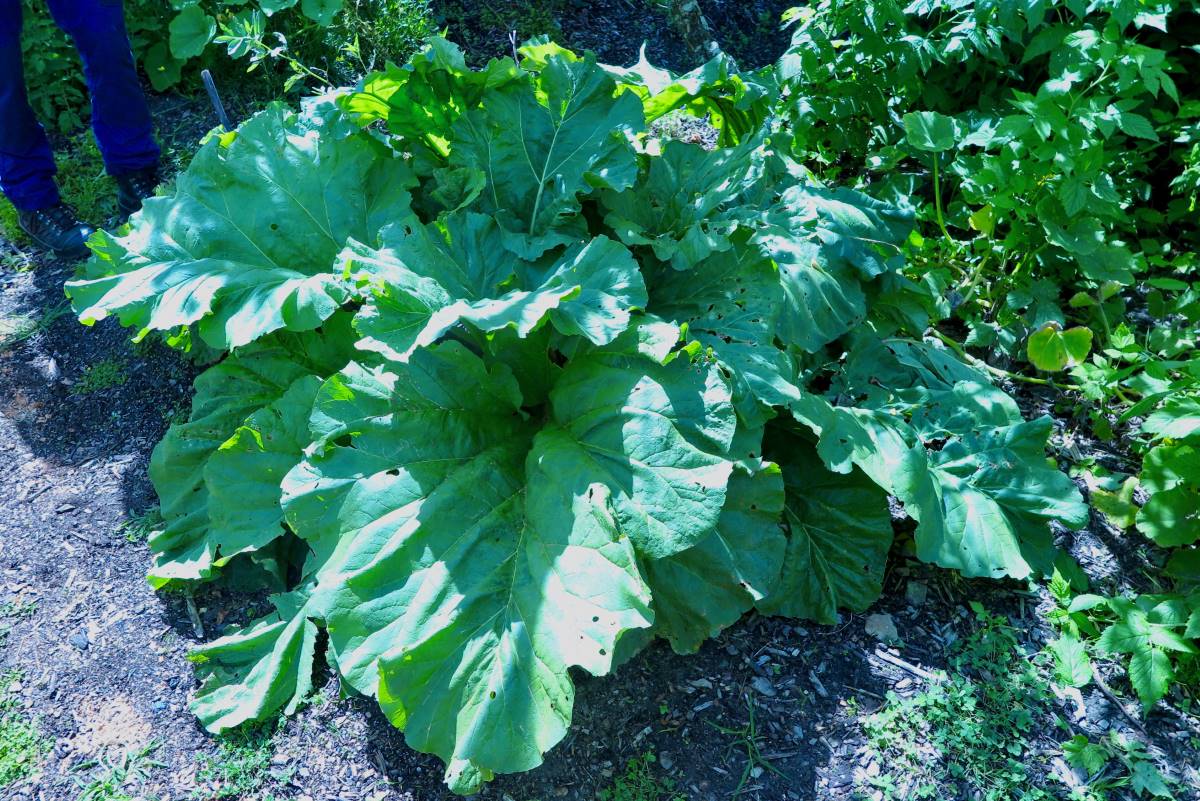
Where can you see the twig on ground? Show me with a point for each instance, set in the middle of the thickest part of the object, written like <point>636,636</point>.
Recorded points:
<point>1104,688</point>
<point>896,661</point>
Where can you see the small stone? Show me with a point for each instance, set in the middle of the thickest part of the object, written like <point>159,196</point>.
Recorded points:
<point>79,640</point>
<point>756,771</point>
<point>763,686</point>
<point>882,627</point>
<point>666,761</point>
<point>915,593</point>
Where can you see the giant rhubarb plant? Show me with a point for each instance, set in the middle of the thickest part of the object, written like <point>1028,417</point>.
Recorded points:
<point>513,385</point>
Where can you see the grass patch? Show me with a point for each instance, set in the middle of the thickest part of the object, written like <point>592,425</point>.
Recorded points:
<point>241,765</point>
<point>22,746</point>
<point>20,327</point>
<point>104,374</point>
<point>970,735</point>
<point>639,783</point>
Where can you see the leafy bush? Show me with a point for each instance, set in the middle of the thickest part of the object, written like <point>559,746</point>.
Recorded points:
<point>1049,153</point>
<point>513,386</point>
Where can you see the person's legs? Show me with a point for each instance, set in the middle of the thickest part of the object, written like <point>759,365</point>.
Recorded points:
<point>26,161</point>
<point>120,117</point>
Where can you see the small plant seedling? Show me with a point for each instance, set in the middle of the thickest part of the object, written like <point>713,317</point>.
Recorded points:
<point>104,374</point>
<point>241,765</point>
<point>639,783</point>
<point>973,727</point>
<point>139,526</point>
<point>21,327</point>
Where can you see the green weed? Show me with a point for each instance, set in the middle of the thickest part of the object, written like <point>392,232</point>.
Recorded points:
<point>104,374</point>
<point>975,728</point>
<point>241,765</point>
<point>116,775</point>
<point>22,746</point>
<point>11,230</point>
<point>139,526</point>
<point>638,783</point>
<point>747,739</point>
<point>1113,764</point>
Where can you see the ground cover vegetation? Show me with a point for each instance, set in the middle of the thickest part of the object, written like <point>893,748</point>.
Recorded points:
<point>507,383</point>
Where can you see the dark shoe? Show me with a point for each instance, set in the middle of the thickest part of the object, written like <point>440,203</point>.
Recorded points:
<point>132,189</point>
<point>56,228</point>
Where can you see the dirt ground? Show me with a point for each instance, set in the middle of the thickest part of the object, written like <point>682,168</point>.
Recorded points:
<point>102,658</point>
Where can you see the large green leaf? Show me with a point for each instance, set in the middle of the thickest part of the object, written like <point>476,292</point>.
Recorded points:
<point>657,436</point>
<point>463,559</point>
<point>676,206</point>
<point>459,272</point>
<point>257,377</point>
<point>1171,475</point>
<point>191,31</point>
<point>243,475</point>
<point>706,588</point>
<point>839,533</point>
<point>979,499</point>
<point>1179,418</point>
<point>964,465</point>
<point>541,146</point>
<point>421,101</point>
<point>825,242</point>
<point>735,103</point>
<point>730,303</point>
<point>248,243</point>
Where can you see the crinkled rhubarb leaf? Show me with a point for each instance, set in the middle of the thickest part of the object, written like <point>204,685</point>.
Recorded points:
<point>679,206</point>
<point>459,272</point>
<point>189,547</point>
<point>540,146</point>
<point>464,556</point>
<point>839,533</point>
<point>248,243</point>
<point>700,591</point>
<point>731,303</point>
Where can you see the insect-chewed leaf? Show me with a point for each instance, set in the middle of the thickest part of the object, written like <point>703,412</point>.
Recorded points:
<point>700,591</point>
<point>981,499</point>
<point>731,303</point>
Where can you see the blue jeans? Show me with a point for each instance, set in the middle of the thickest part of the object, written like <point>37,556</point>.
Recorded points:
<point>120,117</point>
